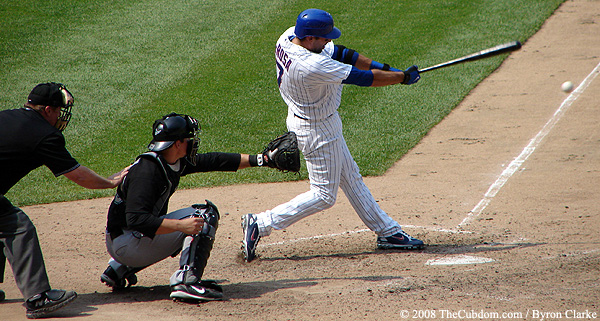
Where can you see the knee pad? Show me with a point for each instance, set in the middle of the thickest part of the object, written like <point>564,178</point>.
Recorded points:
<point>210,214</point>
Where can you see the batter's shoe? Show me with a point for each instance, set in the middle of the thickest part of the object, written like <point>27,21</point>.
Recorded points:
<point>201,291</point>
<point>43,303</point>
<point>401,241</point>
<point>251,237</point>
<point>111,279</point>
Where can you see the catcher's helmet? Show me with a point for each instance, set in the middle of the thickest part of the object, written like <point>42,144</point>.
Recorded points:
<point>316,23</point>
<point>56,95</point>
<point>173,127</point>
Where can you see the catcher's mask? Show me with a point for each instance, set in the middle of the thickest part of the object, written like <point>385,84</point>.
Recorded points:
<point>55,95</point>
<point>173,127</point>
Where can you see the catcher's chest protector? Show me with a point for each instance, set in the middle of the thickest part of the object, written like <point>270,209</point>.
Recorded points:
<point>161,201</point>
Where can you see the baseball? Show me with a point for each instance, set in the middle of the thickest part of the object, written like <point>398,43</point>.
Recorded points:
<point>567,86</point>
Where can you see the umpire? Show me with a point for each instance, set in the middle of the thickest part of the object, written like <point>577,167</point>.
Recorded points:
<point>29,138</point>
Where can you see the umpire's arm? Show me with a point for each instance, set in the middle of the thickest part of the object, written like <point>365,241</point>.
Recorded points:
<point>87,178</point>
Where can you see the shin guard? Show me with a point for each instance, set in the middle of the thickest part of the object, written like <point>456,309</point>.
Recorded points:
<point>202,243</point>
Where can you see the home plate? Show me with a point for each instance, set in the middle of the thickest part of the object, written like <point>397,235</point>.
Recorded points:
<point>458,259</point>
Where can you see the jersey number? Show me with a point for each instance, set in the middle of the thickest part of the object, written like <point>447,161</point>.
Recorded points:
<point>280,74</point>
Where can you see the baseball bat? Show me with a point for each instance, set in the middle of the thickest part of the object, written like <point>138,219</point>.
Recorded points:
<point>500,49</point>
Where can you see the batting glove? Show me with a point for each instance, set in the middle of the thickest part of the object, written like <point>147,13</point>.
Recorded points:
<point>411,75</point>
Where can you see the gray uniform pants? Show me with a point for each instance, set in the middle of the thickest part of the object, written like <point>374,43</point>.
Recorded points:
<point>133,250</point>
<point>22,249</point>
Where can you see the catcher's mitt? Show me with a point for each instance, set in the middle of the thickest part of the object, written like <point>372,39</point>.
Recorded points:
<point>282,153</point>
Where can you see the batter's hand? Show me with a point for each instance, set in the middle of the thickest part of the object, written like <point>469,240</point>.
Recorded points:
<point>411,75</point>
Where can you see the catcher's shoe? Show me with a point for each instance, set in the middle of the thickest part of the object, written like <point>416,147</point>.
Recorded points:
<point>111,279</point>
<point>201,291</point>
<point>43,303</point>
<point>401,241</point>
<point>251,237</point>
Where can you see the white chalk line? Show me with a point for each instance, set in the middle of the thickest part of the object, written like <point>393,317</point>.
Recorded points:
<point>430,228</point>
<point>533,144</point>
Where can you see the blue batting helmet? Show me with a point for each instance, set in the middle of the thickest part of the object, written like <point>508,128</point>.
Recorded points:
<point>316,23</point>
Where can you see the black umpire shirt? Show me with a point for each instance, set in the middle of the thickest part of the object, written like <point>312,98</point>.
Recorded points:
<point>133,207</point>
<point>28,141</point>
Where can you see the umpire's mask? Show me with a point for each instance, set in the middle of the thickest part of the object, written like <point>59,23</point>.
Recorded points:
<point>55,95</point>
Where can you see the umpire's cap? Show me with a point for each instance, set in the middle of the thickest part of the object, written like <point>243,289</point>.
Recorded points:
<point>171,128</point>
<point>50,94</point>
<point>316,23</point>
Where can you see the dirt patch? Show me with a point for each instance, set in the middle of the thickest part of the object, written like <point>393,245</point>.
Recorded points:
<point>538,234</point>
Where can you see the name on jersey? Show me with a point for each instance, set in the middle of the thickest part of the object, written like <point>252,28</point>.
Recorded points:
<point>283,57</point>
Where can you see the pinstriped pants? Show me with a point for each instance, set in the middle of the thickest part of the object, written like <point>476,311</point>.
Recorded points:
<point>330,166</point>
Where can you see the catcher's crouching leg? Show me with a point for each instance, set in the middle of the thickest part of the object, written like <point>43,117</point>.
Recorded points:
<point>186,283</point>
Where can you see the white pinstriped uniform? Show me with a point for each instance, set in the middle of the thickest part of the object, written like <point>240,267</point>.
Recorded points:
<point>311,86</point>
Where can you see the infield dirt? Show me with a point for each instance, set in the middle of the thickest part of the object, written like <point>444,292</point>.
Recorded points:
<point>537,240</point>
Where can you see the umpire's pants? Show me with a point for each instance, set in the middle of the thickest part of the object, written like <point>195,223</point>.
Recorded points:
<point>22,249</point>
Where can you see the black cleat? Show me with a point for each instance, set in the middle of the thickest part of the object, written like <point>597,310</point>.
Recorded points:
<point>111,279</point>
<point>401,241</point>
<point>201,291</point>
<point>43,303</point>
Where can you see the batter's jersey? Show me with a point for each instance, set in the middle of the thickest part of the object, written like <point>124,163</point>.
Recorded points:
<point>310,83</point>
<point>28,141</point>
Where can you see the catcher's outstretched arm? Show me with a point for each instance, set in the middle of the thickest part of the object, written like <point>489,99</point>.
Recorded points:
<point>245,161</point>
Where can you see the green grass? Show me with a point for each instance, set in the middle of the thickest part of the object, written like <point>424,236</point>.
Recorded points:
<point>130,62</point>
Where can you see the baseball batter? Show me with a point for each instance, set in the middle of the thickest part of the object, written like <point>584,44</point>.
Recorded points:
<point>311,72</point>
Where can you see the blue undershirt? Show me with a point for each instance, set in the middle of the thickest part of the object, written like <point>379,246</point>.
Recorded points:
<point>359,77</point>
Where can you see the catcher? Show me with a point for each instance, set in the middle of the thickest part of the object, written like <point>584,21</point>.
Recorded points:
<point>139,230</point>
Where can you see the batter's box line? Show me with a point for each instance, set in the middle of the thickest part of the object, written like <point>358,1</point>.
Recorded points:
<point>333,235</point>
<point>529,149</point>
